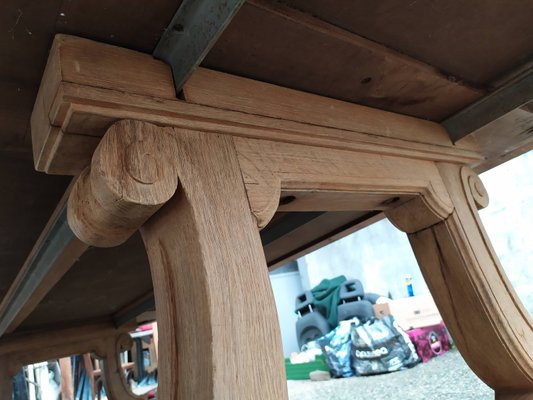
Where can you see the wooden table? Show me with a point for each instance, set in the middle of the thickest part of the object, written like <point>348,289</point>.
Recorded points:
<point>199,178</point>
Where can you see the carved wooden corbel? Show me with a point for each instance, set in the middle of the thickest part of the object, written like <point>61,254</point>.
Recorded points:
<point>488,322</point>
<point>132,174</point>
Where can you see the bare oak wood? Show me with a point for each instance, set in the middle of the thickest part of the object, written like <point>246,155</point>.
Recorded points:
<point>230,92</point>
<point>132,175</point>
<point>489,324</point>
<point>116,387</point>
<point>214,302</point>
<point>323,179</point>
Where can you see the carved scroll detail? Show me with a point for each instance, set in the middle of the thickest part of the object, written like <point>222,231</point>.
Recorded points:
<point>115,383</point>
<point>489,324</point>
<point>474,188</point>
<point>132,175</point>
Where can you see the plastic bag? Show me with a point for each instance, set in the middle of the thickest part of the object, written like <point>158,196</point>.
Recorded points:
<point>380,346</point>
<point>336,347</point>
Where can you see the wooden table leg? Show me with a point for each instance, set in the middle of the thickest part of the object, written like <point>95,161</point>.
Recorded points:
<point>88,363</point>
<point>219,335</point>
<point>489,324</point>
<point>115,384</point>
<point>67,389</point>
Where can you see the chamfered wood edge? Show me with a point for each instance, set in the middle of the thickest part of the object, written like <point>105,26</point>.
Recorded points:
<point>33,345</point>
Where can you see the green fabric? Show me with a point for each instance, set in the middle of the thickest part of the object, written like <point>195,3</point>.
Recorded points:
<point>326,298</point>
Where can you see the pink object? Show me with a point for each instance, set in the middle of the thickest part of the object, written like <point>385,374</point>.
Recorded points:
<point>145,327</point>
<point>430,341</point>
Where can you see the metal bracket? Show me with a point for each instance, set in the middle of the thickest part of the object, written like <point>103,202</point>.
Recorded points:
<point>192,32</point>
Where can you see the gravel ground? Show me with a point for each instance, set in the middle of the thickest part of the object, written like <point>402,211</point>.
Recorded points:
<point>443,378</point>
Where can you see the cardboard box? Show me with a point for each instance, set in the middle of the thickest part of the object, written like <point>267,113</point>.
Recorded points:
<point>381,309</point>
<point>415,312</point>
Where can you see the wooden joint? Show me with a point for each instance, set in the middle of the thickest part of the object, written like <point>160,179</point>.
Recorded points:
<point>421,212</point>
<point>429,208</point>
<point>263,189</point>
<point>132,174</point>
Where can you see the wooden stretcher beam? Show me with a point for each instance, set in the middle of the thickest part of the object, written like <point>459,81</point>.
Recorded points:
<point>35,346</point>
<point>19,350</point>
<point>192,32</point>
<point>505,99</point>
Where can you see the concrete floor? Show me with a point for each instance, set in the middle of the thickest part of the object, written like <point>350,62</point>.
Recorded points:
<point>443,378</point>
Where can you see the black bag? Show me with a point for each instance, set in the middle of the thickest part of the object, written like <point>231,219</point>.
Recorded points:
<point>380,346</point>
<point>336,347</point>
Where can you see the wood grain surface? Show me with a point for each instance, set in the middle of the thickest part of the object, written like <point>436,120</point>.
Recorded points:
<point>214,303</point>
<point>234,159</point>
<point>322,179</point>
<point>67,386</point>
<point>489,324</point>
<point>457,37</point>
<point>514,396</point>
<point>115,385</point>
<point>132,175</point>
